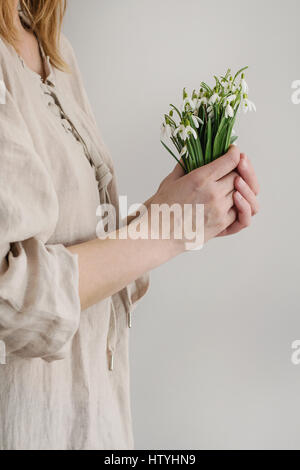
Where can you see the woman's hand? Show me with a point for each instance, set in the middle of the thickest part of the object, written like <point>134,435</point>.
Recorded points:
<point>245,189</point>
<point>212,185</point>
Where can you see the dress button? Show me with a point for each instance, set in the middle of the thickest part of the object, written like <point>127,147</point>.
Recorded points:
<point>54,109</point>
<point>66,125</point>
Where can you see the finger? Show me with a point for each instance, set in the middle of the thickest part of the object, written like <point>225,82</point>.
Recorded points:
<point>234,228</point>
<point>231,217</point>
<point>230,220</point>
<point>229,201</point>
<point>223,165</point>
<point>243,208</point>
<point>226,184</point>
<point>248,194</point>
<point>248,174</point>
<point>243,217</point>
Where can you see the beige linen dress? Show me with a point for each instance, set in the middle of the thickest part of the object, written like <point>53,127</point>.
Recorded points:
<point>65,384</point>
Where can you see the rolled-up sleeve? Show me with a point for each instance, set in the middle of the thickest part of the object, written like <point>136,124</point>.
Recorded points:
<point>39,299</point>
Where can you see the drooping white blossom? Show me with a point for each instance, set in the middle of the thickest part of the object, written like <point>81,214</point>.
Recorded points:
<point>188,102</point>
<point>196,120</point>
<point>203,100</point>
<point>215,98</point>
<point>210,111</point>
<point>244,85</point>
<point>229,99</point>
<point>166,130</point>
<point>229,112</point>
<point>185,132</point>
<point>247,105</point>
<point>183,151</point>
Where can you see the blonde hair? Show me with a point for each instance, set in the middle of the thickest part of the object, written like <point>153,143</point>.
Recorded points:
<point>45,18</point>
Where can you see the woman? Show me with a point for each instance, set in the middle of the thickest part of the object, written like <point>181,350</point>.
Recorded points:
<point>66,296</point>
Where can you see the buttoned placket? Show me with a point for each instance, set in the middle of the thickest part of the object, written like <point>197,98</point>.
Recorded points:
<point>55,107</point>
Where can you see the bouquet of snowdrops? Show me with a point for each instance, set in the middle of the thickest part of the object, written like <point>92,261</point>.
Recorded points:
<point>205,129</point>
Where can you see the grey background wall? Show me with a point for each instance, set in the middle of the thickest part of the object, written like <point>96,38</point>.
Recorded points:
<point>211,343</point>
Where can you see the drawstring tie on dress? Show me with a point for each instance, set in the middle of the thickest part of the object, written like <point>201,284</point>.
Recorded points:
<point>112,336</point>
<point>104,178</point>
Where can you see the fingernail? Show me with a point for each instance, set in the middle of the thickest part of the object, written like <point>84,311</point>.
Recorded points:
<point>239,196</point>
<point>244,160</point>
<point>241,182</point>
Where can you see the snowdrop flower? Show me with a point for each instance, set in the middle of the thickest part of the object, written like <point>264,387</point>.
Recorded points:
<point>214,98</point>
<point>247,105</point>
<point>191,131</point>
<point>203,100</point>
<point>244,85</point>
<point>229,112</point>
<point>195,99</point>
<point>166,131</point>
<point>196,121</point>
<point>188,103</point>
<point>210,111</point>
<point>185,132</point>
<point>227,85</point>
<point>183,151</point>
<point>229,99</point>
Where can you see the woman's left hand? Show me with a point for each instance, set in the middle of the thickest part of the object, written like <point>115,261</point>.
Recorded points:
<point>245,197</point>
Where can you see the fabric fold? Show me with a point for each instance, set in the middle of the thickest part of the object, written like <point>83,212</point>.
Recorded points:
<point>39,301</point>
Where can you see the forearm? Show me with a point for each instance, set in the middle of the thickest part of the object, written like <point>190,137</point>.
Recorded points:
<point>106,266</point>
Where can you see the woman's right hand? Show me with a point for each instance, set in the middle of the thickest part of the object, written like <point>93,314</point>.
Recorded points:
<point>212,185</point>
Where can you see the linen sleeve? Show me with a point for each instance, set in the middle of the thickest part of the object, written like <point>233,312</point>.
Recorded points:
<point>39,299</point>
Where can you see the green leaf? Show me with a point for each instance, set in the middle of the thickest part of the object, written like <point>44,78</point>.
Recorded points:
<point>190,143</point>
<point>220,138</point>
<point>177,110</point>
<point>208,148</point>
<point>206,87</point>
<point>198,153</point>
<point>233,139</point>
<point>229,135</point>
<point>239,72</point>
<point>174,156</point>
<point>230,128</point>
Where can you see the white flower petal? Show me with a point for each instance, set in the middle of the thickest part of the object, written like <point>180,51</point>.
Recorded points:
<point>244,86</point>
<point>183,151</point>
<point>195,121</point>
<point>229,111</point>
<point>214,98</point>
